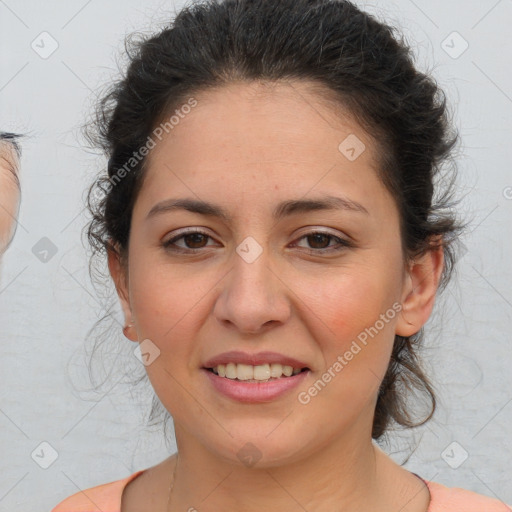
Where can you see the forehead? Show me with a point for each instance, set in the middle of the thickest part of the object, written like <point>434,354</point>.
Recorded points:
<point>257,139</point>
<point>266,113</point>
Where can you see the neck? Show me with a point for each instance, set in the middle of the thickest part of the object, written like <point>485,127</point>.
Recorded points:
<point>350,474</point>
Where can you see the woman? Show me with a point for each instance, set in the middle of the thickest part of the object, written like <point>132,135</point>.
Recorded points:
<point>9,188</point>
<point>270,227</point>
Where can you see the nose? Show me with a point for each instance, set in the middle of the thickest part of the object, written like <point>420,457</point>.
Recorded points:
<point>254,298</point>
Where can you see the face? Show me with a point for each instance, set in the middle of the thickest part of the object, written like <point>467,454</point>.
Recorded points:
<point>9,194</point>
<point>300,282</point>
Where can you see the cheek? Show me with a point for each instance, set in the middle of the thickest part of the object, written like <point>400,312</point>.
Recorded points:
<point>350,303</point>
<point>169,308</point>
<point>358,311</point>
<point>164,312</point>
<point>160,296</point>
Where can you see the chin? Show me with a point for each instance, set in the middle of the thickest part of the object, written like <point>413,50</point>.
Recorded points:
<point>262,449</point>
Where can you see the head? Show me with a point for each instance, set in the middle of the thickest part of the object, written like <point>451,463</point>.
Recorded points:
<point>9,187</point>
<point>264,110</point>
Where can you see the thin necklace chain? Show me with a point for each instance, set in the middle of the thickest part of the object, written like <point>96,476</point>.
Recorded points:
<point>171,487</point>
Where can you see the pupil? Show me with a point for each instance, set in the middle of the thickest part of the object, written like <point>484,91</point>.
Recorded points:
<point>196,239</point>
<point>319,236</point>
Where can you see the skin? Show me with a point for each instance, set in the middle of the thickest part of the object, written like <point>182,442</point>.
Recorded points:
<point>9,194</point>
<point>248,147</point>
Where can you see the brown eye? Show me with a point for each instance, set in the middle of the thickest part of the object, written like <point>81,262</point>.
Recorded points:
<point>193,240</point>
<point>320,242</point>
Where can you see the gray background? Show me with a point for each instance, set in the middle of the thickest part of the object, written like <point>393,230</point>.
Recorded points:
<point>48,307</point>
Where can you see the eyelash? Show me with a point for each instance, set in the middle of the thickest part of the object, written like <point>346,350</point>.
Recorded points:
<point>341,241</point>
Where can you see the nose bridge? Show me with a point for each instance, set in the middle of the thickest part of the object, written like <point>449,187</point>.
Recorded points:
<point>251,270</point>
<point>252,296</point>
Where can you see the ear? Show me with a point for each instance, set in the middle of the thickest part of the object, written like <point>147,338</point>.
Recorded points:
<point>119,277</point>
<point>419,291</point>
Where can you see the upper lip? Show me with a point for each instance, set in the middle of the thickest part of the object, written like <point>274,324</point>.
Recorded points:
<point>236,356</point>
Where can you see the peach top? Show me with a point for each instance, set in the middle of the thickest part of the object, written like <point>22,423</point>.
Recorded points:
<point>107,498</point>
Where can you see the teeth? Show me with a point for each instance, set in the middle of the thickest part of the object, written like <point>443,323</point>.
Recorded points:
<point>276,370</point>
<point>231,371</point>
<point>244,372</point>
<point>260,372</point>
<point>287,370</point>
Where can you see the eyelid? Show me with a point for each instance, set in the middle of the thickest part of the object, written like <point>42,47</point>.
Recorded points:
<point>324,230</point>
<point>313,229</point>
<point>342,241</point>
<point>187,231</point>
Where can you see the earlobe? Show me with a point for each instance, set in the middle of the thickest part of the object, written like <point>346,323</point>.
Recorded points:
<point>419,291</point>
<point>118,276</point>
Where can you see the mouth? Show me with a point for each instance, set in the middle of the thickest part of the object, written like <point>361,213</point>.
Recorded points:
<point>266,372</point>
<point>255,377</point>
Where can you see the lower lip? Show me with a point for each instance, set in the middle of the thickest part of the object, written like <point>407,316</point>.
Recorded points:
<point>255,392</point>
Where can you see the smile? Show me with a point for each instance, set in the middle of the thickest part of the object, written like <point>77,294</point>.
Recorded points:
<point>259,373</point>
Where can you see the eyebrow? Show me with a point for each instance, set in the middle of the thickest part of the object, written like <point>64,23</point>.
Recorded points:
<point>284,209</point>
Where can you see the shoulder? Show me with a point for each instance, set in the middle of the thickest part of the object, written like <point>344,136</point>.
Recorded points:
<point>101,498</point>
<point>455,499</point>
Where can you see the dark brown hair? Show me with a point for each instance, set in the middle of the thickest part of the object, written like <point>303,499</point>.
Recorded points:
<point>362,62</point>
